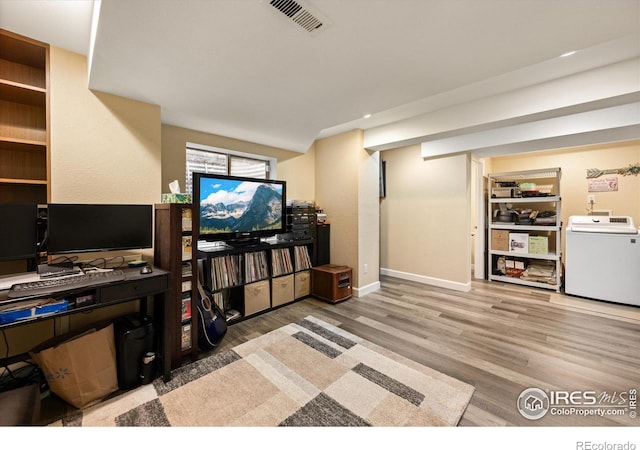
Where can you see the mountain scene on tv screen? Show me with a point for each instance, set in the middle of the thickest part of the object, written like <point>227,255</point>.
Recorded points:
<point>241,210</point>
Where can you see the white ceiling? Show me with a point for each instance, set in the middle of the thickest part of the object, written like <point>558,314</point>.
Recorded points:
<point>240,68</point>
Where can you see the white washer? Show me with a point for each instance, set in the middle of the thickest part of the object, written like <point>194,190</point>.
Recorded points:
<point>602,259</point>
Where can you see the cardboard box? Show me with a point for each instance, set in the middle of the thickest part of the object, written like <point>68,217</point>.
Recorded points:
<point>81,370</point>
<point>500,240</point>
<point>13,315</point>
<point>186,248</point>
<point>185,339</point>
<point>27,310</point>
<point>519,242</point>
<point>186,307</point>
<point>176,198</point>
<point>302,283</point>
<point>282,290</point>
<point>51,307</point>
<point>539,245</point>
<point>256,297</point>
<point>514,267</point>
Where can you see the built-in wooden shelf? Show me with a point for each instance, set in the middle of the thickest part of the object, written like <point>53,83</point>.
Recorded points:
<point>24,119</point>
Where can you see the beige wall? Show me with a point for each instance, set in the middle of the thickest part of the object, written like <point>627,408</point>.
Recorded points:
<point>337,161</point>
<point>574,163</point>
<point>111,149</point>
<point>347,189</point>
<point>368,268</point>
<point>299,173</point>
<point>337,173</point>
<point>295,168</point>
<point>104,148</point>
<point>425,218</point>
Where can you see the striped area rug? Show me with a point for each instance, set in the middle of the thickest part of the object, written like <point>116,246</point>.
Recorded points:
<point>307,374</point>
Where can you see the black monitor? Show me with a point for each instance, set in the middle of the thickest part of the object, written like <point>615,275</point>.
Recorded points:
<point>18,231</point>
<point>79,228</point>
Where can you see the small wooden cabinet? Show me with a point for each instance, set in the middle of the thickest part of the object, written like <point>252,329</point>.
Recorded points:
<point>331,283</point>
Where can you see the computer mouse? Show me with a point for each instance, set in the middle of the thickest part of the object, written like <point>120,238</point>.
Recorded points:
<point>146,269</point>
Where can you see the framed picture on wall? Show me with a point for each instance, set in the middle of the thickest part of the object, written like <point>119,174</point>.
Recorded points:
<point>383,178</point>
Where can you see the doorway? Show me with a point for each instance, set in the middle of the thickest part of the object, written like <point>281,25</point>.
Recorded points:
<point>478,215</point>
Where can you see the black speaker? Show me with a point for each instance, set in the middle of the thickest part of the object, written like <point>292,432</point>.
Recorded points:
<point>134,340</point>
<point>322,253</point>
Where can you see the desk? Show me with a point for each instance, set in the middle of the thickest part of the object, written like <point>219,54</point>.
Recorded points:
<point>135,286</point>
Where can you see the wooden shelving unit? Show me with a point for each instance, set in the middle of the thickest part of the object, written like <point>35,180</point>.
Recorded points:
<point>264,276</point>
<point>24,119</point>
<point>172,252</point>
<point>246,282</point>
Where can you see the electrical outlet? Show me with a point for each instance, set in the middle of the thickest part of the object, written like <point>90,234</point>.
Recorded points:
<point>366,268</point>
<point>591,199</point>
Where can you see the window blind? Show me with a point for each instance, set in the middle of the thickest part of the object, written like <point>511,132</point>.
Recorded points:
<point>205,161</point>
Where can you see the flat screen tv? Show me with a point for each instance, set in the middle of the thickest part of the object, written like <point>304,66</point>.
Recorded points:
<point>238,208</point>
<point>18,231</point>
<point>79,228</point>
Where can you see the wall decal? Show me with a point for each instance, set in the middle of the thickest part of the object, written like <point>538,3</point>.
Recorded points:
<point>632,169</point>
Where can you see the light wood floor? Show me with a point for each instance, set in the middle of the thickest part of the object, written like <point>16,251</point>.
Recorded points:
<point>498,337</point>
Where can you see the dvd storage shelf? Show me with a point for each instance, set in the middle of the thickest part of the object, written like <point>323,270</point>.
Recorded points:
<point>173,252</point>
<point>524,222</point>
<point>24,119</point>
<point>251,280</point>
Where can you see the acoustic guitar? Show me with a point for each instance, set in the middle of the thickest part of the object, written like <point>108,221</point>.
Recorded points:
<point>213,325</point>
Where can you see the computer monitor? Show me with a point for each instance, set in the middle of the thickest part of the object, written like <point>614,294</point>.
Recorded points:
<point>79,228</point>
<point>18,231</point>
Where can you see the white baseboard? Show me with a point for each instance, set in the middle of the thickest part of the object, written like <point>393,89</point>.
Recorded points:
<point>362,291</point>
<point>454,285</point>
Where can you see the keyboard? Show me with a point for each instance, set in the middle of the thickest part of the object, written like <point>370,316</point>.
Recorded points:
<point>61,284</point>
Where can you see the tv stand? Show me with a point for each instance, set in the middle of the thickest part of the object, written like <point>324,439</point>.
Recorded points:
<point>249,280</point>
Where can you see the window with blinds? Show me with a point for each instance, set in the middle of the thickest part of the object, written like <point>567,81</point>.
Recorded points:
<point>205,161</point>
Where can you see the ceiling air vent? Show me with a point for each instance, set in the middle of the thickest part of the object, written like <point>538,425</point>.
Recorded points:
<point>299,14</point>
